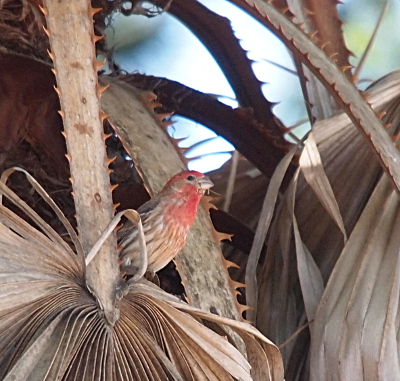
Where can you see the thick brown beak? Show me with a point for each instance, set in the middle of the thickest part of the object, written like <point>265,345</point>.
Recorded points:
<point>205,183</point>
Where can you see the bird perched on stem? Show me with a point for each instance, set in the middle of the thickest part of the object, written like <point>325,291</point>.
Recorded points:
<point>167,219</point>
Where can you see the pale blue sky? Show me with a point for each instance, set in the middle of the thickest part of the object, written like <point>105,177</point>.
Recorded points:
<point>161,46</point>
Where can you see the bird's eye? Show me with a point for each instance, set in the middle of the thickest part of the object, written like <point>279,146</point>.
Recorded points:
<point>190,178</point>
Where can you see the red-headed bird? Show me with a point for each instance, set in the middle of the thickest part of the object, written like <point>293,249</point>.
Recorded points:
<point>167,219</point>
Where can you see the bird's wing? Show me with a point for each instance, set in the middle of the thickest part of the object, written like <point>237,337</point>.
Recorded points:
<point>144,211</point>
<point>148,206</point>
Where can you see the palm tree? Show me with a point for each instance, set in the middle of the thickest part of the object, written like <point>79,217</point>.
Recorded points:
<point>320,268</point>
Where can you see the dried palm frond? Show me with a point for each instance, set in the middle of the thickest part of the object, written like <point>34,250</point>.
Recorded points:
<point>318,226</point>
<point>51,326</point>
<point>355,333</point>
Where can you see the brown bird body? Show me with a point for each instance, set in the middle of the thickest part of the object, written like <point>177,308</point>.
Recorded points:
<point>167,219</point>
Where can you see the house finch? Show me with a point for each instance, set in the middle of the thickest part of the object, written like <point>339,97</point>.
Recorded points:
<point>167,219</point>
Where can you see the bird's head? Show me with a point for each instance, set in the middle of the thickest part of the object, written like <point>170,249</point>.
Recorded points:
<point>180,197</point>
<point>189,182</point>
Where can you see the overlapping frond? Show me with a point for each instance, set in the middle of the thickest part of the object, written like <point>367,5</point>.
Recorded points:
<point>350,169</point>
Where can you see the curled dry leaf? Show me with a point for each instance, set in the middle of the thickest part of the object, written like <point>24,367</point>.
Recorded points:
<point>311,282</point>
<point>314,173</point>
<point>51,327</point>
<point>134,217</point>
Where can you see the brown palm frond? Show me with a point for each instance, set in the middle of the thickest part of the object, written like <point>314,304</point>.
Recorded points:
<point>51,326</point>
<point>352,173</point>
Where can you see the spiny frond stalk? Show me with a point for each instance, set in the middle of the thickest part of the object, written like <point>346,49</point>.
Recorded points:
<point>200,263</point>
<point>75,63</point>
<point>344,92</point>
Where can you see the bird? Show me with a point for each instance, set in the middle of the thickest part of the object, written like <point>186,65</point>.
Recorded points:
<point>166,219</point>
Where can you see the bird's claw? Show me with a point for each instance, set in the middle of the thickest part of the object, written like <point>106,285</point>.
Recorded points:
<point>121,290</point>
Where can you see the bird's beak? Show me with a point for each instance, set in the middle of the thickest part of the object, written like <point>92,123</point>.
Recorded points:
<point>204,184</point>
